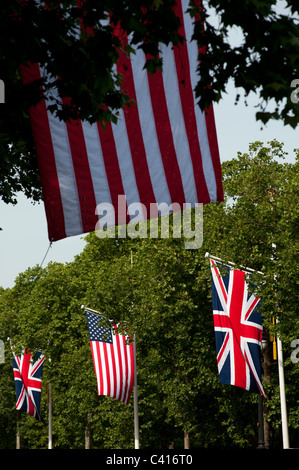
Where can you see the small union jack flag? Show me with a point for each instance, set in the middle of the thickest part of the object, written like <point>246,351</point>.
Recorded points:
<point>238,329</point>
<point>28,382</point>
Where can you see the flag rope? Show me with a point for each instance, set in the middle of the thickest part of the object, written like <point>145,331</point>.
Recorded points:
<point>50,245</point>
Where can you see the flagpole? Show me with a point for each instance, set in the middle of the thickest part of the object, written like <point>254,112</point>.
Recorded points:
<point>50,415</point>
<point>208,255</point>
<point>136,417</point>
<point>18,436</point>
<point>83,307</point>
<point>283,405</point>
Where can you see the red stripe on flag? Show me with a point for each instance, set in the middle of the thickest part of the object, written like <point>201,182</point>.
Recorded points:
<point>213,143</point>
<point>125,357</point>
<point>187,101</point>
<point>134,132</point>
<point>220,354</point>
<point>46,159</point>
<point>212,134</point>
<point>235,318</point>
<point>120,367</point>
<point>98,368</point>
<point>112,170</point>
<point>164,134</point>
<point>252,307</point>
<point>219,280</point>
<point>25,380</point>
<point>113,372</point>
<point>82,174</point>
<point>108,372</point>
<point>132,365</point>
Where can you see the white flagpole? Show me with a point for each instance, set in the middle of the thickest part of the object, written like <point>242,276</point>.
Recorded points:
<point>136,417</point>
<point>50,416</point>
<point>283,404</point>
<point>83,307</point>
<point>230,263</point>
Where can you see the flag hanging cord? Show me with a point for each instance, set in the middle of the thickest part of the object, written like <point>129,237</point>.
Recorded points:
<point>50,245</point>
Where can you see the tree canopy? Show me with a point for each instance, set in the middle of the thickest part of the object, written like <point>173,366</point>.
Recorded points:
<point>78,49</point>
<point>163,293</point>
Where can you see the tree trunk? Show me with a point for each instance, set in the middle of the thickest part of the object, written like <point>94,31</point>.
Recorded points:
<point>187,443</point>
<point>88,431</point>
<point>18,437</point>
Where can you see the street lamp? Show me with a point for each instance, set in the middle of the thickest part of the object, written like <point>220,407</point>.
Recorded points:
<point>261,437</point>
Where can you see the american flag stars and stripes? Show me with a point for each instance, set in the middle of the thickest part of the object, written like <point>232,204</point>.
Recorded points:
<point>238,329</point>
<point>113,358</point>
<point>162,150</point>
<point>28,382</point>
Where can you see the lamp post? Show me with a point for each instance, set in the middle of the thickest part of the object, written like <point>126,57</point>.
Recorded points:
<point>261,437</point>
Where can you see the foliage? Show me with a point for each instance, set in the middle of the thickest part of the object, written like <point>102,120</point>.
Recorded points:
<point>78,49</point>
<point>162,292</point>
<point>268,34</point>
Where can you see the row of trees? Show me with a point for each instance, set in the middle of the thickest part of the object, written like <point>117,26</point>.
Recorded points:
<point>163,292</point>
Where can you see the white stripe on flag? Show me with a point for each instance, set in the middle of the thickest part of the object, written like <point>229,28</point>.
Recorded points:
<point>65,170</point>
<point>200,116</point>
<point>147,122</point>
<point>177,122</point>
<point>96,162</point>
<point>125,159</point>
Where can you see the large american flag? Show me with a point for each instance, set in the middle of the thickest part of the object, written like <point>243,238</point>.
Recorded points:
<point>113,358</point>
<point>162,150</point>
<point>28,382</point>
<point>238,329</point>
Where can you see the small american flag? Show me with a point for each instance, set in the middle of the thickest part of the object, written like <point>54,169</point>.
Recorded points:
<point>28,382</point>
<point>113,360</point>
<point>238,329</point>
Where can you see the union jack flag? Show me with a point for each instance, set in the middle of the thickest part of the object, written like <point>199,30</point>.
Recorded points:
<point>28,382</point>
<point>238,329</point>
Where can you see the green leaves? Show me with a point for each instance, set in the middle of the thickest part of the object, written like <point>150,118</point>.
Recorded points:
<point>267,37</point>
<point>76,44</point>
<point>162,293</point>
